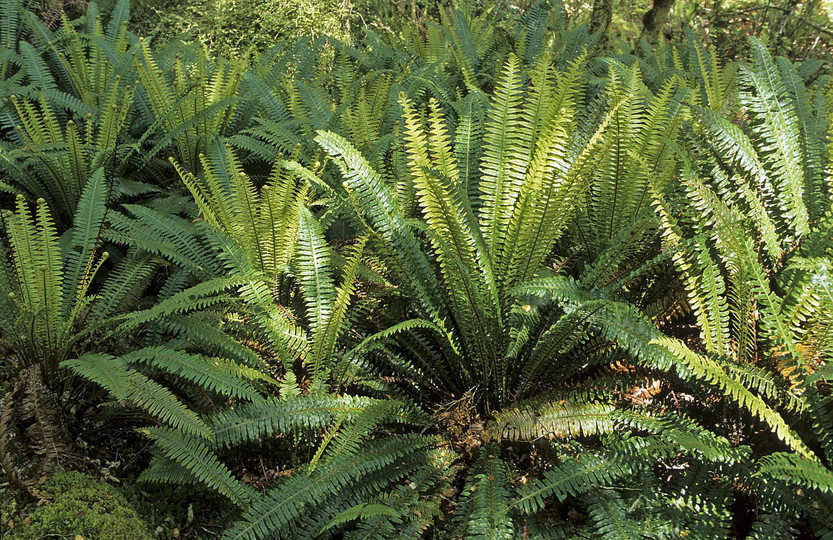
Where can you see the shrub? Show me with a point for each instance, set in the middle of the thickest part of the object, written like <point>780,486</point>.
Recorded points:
<point>233,27</point>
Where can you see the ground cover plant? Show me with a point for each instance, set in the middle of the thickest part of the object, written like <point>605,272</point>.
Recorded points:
<point>481,274</point>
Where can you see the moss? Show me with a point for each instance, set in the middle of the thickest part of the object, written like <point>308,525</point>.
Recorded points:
<point>81,506</point>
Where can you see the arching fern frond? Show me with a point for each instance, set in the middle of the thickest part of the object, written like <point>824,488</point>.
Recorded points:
<point>194,456</point>
<point>253,421</point>
<point>374,468</point>
<point>569,417</point>
<point>213,374</point>
<point>128,384</point>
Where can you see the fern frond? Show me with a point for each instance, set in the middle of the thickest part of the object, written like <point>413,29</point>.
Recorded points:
<point>198,460</point>
<point>734,146</point>
<point>11,25</point>
<point>168,235</point>
<point>712,80</point>
<point>125,383</point>
<point>581,474</point>
<point>811,127</point>
<point>208,337</point>
<point>163,470</point>
<point>504,158</point>
<point>779,134</point>
<point>565,418</point>
<point>375,203</point>
<point>467,141</point>
<point>124,287</point>
<point>773,527</point>
<point>274,514</point>
<point>200,296</point>
<point>253,421</point>
<point>624,324</point>
<point>707,369</point>
<point>469,280</point>
<point>22,234</point>
<point>316,280</point>
<point>119,16</point>
<point>324,341</point>
<point>213,374</point>
<point>609,514</point>
<point>417,504</point>
<point>47,259</point>
<point>796,470</point>
<point>36,67</point>
<point>554,181</point>
<point>481,512</point>
<point>362,511</point>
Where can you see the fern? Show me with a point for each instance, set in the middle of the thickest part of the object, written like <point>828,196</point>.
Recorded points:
<point>608,512</point>
<point>779,135</point>
<point>297,414</point>
<point>481,513</point>
<point>574,417</point>
<point>283,505</point>
<point>212,374</point>
<point>128,384</point>
<point>193,455</point>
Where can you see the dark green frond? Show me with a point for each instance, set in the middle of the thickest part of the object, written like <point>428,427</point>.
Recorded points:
<point>482,513</point>
<point>128,384</point>
<point>609,514</point>
<point>252,421</point>
<point>274,514</point>
<point>213,374</point>
<point>198,460</point>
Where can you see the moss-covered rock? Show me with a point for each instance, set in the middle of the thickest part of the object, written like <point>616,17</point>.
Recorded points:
<point>81,506</point>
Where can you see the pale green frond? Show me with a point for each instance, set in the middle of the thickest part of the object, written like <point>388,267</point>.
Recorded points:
<point>550,193</point>
<point>797,470</point>
<point>779,136</point>
<point>375,203</point>
<point>22,233</point>
<point>466,269</point>
<point>315,276</point>
<point>709,370</point>
<point>334,326</point>
<point>86,235</point>
<point>505,155</point>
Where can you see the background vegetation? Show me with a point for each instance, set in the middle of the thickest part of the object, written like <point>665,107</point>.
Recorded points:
<point>426,270</point>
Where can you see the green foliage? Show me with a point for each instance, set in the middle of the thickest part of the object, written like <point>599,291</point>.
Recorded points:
<point>484,498</point>
<point>470,256</point>
<point>72,115</point>
<point>48,308</point>
<point>233,28</point>
<point>192,111</point>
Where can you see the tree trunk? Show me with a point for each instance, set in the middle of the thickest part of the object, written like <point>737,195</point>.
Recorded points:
<point>600,20</point>
<point>787,12</point>
<point>654,19</point>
